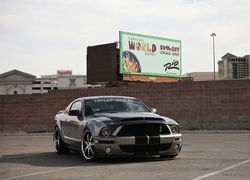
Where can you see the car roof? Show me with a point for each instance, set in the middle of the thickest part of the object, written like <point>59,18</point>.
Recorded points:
<point>99,97</point>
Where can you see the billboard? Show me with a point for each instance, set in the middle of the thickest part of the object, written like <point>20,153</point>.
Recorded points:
<point>149,55</point>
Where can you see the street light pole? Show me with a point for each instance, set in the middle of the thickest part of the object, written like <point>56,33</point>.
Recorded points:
<point>213,34</point>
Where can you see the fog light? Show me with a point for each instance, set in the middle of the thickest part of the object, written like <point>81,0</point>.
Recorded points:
<point>108,150</point>
<point>177,146</point>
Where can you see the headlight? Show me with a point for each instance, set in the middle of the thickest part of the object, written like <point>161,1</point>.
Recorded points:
<point>105,131</point>
<point>175,129</point>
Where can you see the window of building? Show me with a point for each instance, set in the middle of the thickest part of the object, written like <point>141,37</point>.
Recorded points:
<point>72,82</point>
<point>235,71</point>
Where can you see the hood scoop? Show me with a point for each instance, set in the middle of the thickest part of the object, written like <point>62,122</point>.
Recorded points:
<point>141,119</point>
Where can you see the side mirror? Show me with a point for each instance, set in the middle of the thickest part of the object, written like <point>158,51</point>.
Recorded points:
<point>75,113</point>
<point>153,110</point>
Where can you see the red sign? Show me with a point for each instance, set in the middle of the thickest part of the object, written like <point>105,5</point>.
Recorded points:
<point>64,72</point>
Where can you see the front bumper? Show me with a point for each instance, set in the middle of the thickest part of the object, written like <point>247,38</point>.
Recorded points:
<point>138,145</point>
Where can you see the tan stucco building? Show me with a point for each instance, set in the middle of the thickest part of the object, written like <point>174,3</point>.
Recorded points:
<point>16,82</point>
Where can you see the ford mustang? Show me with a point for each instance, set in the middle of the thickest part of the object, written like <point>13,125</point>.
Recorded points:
<point>115,126</point>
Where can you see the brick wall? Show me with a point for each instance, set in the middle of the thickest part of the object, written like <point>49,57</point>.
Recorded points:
<point>194,105</point>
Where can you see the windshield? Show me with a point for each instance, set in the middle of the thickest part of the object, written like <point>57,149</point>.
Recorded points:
<point>114,105</point>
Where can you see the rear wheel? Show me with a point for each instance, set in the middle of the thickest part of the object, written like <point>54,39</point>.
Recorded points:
<point>87,146</point>
<point>59,145</point>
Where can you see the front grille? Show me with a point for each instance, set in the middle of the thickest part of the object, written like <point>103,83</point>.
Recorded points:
<point>143,129</point>
<point>143,149</point>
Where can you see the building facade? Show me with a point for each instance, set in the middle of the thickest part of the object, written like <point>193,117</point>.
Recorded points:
<point>234,67</point>
<point>18,82</point>
<point>201,76</point>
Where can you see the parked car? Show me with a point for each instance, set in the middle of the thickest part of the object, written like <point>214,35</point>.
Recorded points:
<point>115,126</point>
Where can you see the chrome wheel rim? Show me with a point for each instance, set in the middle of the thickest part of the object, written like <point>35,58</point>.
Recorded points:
<point>87,146</point>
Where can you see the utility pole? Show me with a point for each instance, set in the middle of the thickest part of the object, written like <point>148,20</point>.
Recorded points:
<point>213,34</point>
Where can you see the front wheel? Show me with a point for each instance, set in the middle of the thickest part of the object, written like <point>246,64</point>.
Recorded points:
<point>87,146</point>
<point>59,145</point>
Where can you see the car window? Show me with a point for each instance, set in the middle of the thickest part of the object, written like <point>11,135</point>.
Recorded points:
<point>76,106</point>
<point>114,104</point>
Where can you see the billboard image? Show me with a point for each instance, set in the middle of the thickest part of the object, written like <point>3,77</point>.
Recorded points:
<point>148,55</point>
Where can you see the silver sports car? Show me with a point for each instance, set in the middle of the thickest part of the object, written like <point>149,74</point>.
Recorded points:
<point>115,126</point>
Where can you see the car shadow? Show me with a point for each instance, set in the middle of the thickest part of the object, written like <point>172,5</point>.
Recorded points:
<point>51,159</point>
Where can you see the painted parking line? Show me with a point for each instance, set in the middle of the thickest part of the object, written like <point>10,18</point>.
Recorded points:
<point>18,156</point>
<point>221,171</point>
<point>39,173</point>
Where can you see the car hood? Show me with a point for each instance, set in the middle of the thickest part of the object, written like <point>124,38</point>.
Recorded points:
<point>119,117</point>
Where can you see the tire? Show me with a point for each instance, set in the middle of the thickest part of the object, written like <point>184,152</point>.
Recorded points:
<point>168,156</point>
<point>58,143</point>
<point>87,146</point>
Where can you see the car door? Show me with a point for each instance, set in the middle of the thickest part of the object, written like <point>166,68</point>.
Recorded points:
<point>72,127</point>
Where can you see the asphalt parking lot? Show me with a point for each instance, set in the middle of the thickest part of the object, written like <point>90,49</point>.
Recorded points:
<point>205,155</point>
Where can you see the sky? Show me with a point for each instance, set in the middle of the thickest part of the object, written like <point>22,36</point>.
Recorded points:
<point>40,37</point>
